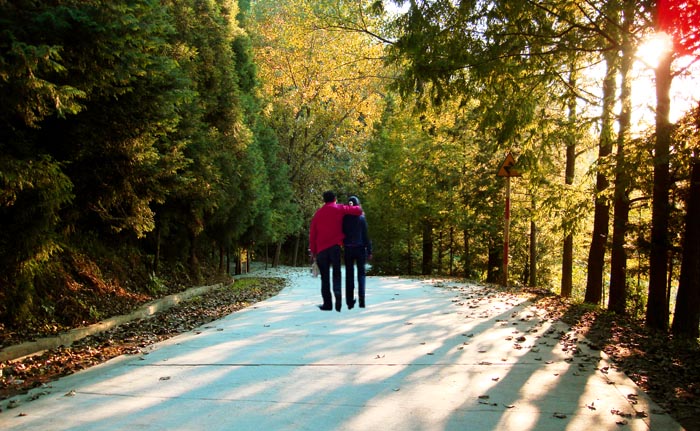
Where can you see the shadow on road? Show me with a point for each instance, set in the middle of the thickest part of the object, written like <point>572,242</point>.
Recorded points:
<point>423,356</point>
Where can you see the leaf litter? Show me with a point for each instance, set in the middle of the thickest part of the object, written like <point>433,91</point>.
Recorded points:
<point>667,369</point>
<point>21,375</point>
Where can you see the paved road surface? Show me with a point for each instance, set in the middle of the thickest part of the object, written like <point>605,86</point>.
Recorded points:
<point>423,355</point>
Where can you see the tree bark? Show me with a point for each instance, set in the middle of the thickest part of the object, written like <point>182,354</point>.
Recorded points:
<point>617,300</point>
<point>657,308</point>
<point>567,263</point>
<point>409,247</point>
<point>686,319</point>
<point>222,253</point>
<point>427,267</point>
<point>467,257</point>
<point>278,253</point>
<point>452,250</point>
<point>532,282</point>
<point>601,220</point>
<point>495,261</point>
<point>156,257</point>
<point>193,262</point>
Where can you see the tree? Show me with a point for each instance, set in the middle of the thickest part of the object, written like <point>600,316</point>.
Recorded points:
<point>599,236</point>
<point>618,261</point>
<point>90,97</point>
<point>321,95</point>
<point>678,19</point>
<point>514,58</point>
<point>686,318</point>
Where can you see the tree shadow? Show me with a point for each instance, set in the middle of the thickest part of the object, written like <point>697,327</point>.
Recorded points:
<point>422,356</point>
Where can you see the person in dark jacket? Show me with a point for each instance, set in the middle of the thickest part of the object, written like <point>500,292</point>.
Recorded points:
<point>358,249</point>
<point>325,239</point>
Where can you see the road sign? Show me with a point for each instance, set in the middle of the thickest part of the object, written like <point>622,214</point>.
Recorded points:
<point>506,169</point>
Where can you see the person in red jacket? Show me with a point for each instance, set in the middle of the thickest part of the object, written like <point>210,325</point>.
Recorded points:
<point>325,238</point>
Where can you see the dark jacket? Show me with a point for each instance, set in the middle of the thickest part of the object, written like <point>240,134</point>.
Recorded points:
<point>355,230</point>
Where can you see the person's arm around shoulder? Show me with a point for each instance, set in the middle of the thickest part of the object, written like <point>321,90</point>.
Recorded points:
<point>351,209</point>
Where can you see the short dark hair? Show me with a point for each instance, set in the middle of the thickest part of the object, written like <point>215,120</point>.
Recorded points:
<point>328,196</point>
<point>353,200</point>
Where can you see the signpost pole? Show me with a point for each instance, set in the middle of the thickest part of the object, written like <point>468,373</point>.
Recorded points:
<point>506,234</point>
<point>507,170</point>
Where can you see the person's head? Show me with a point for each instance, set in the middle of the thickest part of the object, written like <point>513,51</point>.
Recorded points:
<point>328,197</point>
<point>353,200</point>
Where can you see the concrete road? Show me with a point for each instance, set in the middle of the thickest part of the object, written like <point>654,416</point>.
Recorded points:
<point>423,355</point>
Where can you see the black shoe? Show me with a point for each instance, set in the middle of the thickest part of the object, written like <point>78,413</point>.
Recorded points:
<point>325,307</point>
<point>337,306</point>
<point>362,303</point>
<point>351,304</point>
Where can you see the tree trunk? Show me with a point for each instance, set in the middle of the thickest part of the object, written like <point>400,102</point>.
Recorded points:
<point>452,250</point>
<point>440,252</point>
<point>567,266</point>
<point>657,308</point>
<point>427,267</point>
<point>599,237</point>
<point>278,253</point>
<point>467,259</point>
<point>495,261</point>
<point>297,246</point>
<point>193,262</point>
<point>532,282</point>
<point>409,246</point>
<point>156,258</point>
<point>222,253</point>
<point>686,319</point>
<point>239,262</point>
<point>567,262</point>
<point>617,300</point>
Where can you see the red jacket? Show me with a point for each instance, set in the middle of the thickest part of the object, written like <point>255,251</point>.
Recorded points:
<point>327,226</point>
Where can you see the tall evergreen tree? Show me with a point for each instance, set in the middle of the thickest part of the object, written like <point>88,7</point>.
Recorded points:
<point>686,318</point>
<point>679,20</point>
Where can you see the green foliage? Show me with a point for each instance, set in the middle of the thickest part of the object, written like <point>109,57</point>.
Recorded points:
<point>156,286</point>
<point>321,94</point>
<point>133,123</point>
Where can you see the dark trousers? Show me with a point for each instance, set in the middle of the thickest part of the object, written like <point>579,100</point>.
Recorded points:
<point>355,256</point>
<point>326,259</point>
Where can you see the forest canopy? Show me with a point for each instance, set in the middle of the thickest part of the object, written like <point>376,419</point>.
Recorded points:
<point>146,143</point>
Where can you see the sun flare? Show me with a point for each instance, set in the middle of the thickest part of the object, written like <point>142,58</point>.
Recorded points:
<point>653,47</point>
